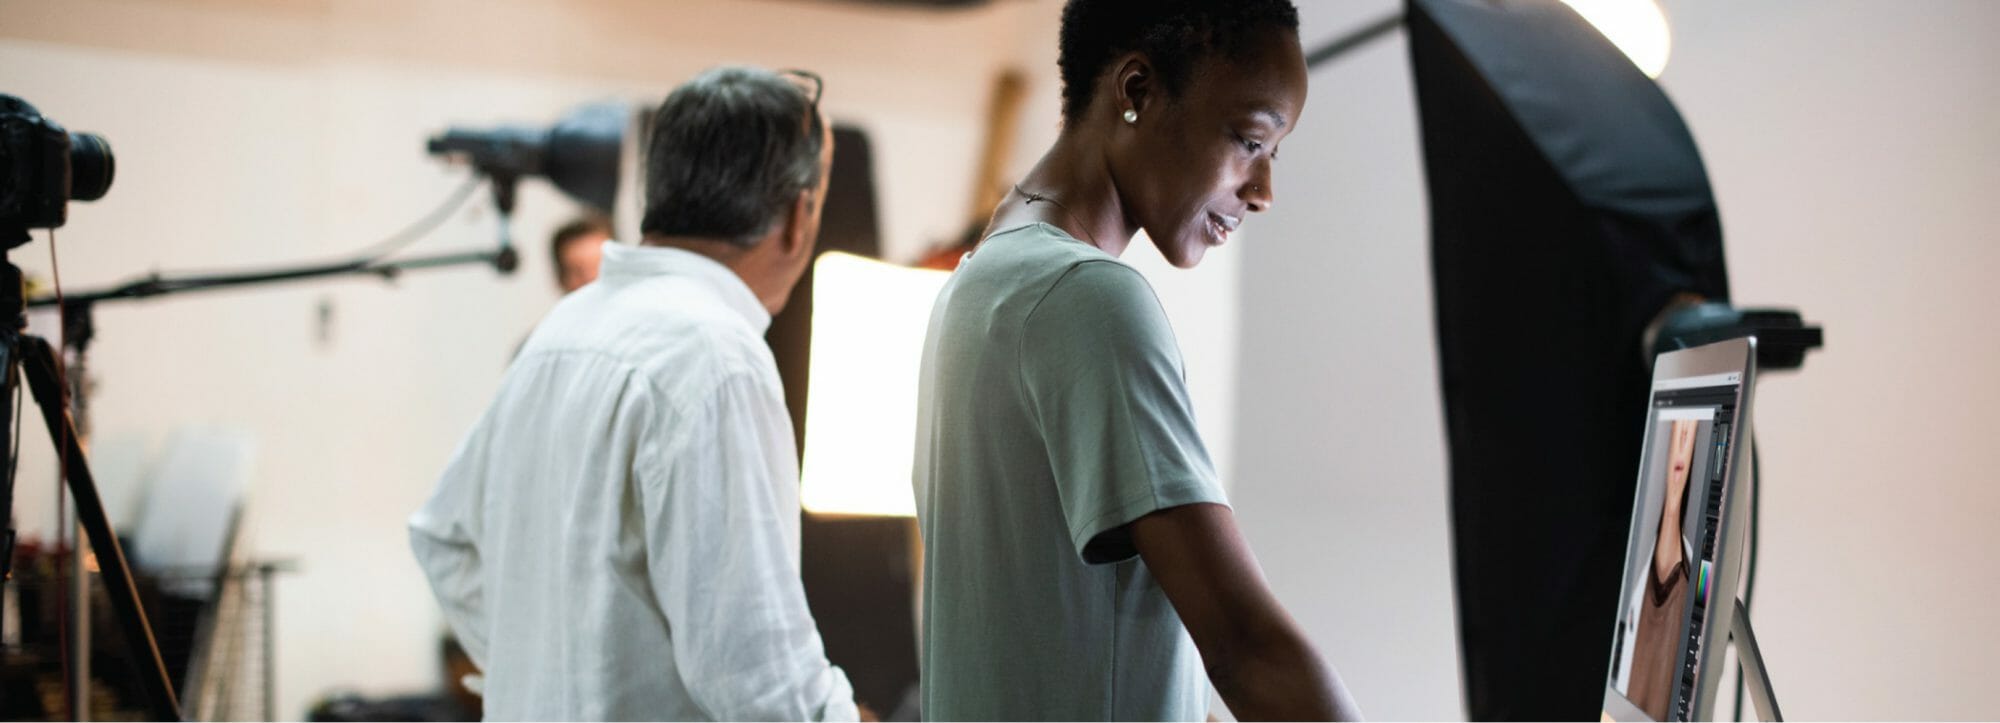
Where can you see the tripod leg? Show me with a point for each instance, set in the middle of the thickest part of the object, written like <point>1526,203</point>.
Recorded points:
<point>38,362</point>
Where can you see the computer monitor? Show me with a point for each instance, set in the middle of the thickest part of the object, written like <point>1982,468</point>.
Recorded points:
<point>1685,551</point>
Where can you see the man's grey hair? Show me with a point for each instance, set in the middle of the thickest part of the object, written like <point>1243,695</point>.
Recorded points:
<point>727,154</point>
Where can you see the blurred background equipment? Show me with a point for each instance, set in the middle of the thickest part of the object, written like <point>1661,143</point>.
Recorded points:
<point>212,602</point>
<point>580,154</point>
<point>43,167</point>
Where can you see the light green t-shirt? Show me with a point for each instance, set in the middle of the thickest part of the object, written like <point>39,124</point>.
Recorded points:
<point>1052,412</point>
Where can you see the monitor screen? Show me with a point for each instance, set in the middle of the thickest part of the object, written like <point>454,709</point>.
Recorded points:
<point>1671,560</point>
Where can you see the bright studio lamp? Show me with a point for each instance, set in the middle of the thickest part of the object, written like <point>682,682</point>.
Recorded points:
<point>1637,27</point>
<point>868,325</point>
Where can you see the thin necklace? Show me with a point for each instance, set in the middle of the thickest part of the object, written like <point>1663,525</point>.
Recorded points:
<point>1033,197</point>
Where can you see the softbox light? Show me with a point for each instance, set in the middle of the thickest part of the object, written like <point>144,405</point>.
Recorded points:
<point>1568,206</point>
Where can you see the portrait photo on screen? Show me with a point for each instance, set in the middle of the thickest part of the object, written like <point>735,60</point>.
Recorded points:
<point>1662,583</point>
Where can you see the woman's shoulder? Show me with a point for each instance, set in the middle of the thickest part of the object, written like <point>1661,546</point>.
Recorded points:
<point>1034,266</point>
<point>1099,292</point>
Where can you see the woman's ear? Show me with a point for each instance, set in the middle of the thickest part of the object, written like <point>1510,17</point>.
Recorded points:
<point>1133,82</point>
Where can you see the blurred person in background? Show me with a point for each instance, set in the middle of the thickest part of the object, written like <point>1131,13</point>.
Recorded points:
<point>577,248</point>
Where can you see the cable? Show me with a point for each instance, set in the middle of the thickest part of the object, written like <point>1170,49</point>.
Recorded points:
<point>62,480</point>
<point>62,379</point>
<point>422,226</point>
<point>373,252</point>
<point>62,611</point>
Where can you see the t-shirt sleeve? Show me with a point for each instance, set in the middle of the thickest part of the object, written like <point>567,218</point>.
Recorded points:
<point>1104,381</point>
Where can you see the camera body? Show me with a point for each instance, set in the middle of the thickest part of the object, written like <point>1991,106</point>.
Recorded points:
<point>43,167</point>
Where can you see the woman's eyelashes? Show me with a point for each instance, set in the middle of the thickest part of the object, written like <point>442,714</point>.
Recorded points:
<point>1249,146</point>
<point>1253,147</point>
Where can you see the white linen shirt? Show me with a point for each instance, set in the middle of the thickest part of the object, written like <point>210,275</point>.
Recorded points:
<point>618,536</point>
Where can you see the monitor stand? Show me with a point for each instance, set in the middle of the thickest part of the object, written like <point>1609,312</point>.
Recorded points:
<point>1757,685</point>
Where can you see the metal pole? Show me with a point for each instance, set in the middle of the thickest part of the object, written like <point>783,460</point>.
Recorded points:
<point>505,259</point>
<point>264,591</point>
<point>1347,43</point>
<point>1751,661</point>
<point>79,625</point>
<point>76,336</point>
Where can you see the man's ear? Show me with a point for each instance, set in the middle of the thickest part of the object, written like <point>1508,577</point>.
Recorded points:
<point>798,235</point>
<point>1134,84</point>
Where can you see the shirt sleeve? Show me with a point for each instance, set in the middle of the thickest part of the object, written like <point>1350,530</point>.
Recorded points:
<point>721,507</point>
<point>1103,378</point>
<point>444,535</point>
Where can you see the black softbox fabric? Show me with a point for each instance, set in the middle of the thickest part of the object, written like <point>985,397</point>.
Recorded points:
<point>1568,205</point>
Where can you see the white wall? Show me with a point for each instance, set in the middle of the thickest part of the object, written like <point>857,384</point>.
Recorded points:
<point>1853,147</point>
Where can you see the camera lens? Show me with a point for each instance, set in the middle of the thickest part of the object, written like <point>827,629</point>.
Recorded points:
<point>90,166</point>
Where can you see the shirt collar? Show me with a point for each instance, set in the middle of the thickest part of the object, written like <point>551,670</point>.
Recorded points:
<point>626,261</point>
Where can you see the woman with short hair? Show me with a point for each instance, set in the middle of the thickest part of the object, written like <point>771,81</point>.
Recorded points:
<point>1081,562</point>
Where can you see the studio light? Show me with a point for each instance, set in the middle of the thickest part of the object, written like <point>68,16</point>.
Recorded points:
<point>1637,27</point>
<point>869,320</point>
<point>579,154</point>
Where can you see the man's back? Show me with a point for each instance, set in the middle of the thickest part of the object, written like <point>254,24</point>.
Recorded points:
<point>618,536</point>
<point>1051,414</point>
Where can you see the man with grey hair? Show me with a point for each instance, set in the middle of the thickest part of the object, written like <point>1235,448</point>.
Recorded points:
<point>618,536</point>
